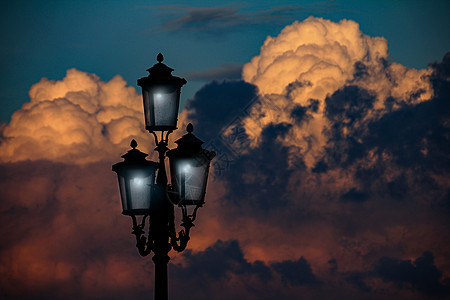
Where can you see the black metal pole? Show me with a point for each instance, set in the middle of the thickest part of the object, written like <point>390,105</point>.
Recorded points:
<point>161,259</point>
<point>160,224</point>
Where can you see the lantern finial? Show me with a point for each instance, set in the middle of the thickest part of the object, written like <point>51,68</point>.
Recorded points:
<point>160,57</point>
<point>133,144</point>
<point>189,128</point>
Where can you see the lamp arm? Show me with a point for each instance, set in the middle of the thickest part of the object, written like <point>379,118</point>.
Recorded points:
<point>143,244</point>
<point>183,235</point>
<point>166,140</point>
<point>156,137</point>
<point>179,243</point>
<point>167,136</point>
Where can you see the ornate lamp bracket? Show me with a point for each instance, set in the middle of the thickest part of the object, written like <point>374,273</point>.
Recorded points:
<point>179,243</point>
<point>143,244</point>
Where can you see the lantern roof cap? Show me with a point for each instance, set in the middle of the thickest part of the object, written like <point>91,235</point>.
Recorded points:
<point>189,145</point>
<point>160,68</point>
<point>161,73</point>
<point>189,139</point>
<point>134,157</point>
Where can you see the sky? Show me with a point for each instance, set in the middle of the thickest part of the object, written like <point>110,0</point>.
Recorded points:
<point>330,121</point>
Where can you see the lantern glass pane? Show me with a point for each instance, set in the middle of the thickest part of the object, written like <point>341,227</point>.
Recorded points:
<point>123,194</point>
<point>147,110</point>
<point>136,193</point>
<point>161,107</point>
<point>190,180</point>
<point>166,108</point>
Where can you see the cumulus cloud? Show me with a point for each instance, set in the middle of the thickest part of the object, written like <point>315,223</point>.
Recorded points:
<point>62,232</point>
<point>77,119</point>
<point>309,61</point>
<point>347,164</point>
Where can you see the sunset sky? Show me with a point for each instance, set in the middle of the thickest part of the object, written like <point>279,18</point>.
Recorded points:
<point>331,124</point>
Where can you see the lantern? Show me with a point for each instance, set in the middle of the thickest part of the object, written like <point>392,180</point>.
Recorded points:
<point>161,95</point>
<point>136,182</point>
<point>189,167</point>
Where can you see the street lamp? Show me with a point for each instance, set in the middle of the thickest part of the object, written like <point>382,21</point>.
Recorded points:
<point>161,94</point>
<point>189,168</point>
<point>136,177</point>
<point>144,196</point>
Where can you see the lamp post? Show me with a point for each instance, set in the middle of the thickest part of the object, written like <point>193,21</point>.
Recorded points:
<point>145,196</point>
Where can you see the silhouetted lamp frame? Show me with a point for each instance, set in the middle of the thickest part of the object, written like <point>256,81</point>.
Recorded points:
<point>136,177</point>
<point>189,168</point>
<point>161,94</point>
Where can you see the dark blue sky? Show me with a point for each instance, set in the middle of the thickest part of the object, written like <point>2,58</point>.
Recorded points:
<point>45,38</point>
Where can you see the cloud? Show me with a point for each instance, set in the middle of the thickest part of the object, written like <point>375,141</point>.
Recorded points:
<point>338,156</point>
<point>217,103</point>
<point>62,232</point>
<point>63,235</point>
<point>215,21</point>
<point>224,71</point>
<point>78,119</point>
<point>311,60</point>
<point>224,273</point>
<point>296,272</point>
<point>421,274</point>
<point>219,261</point>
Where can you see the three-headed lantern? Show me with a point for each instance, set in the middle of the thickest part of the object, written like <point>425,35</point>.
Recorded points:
<point>161,94</point>
<point>136,181</point>
<point>189,167</point>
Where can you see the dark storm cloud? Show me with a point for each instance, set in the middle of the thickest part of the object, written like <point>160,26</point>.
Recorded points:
<point>354,195</point>
<point>320,167</point>
<point>223,265</point>
<point>441,76</point>
<point>348,105</point>
<point>216,105</point>
<point>360,70</point>
<point>419,135</point>
<point>221,20</point>
<point>218,262</point>
<point>296,272</point>
<point>224,71</point>
<point>62,234</point>
<point>356,279</point>
<point>301,114</point>
<point>418,275</point>
<point>396,155</point>
<point>260,175</point>
<point>346,109</point>
<point>421,275</point>
<point>415,136</point>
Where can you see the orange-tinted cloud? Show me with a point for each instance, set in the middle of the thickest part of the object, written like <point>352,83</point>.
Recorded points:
<point>334,166</point>
<point>312,60</point>
<point>79,119</point>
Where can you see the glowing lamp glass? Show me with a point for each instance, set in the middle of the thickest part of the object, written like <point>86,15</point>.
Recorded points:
<point>188,179</point>
<point>161,103</point>
<point>136,192</point>
<point>137,186</point>
<point>161,95</point>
